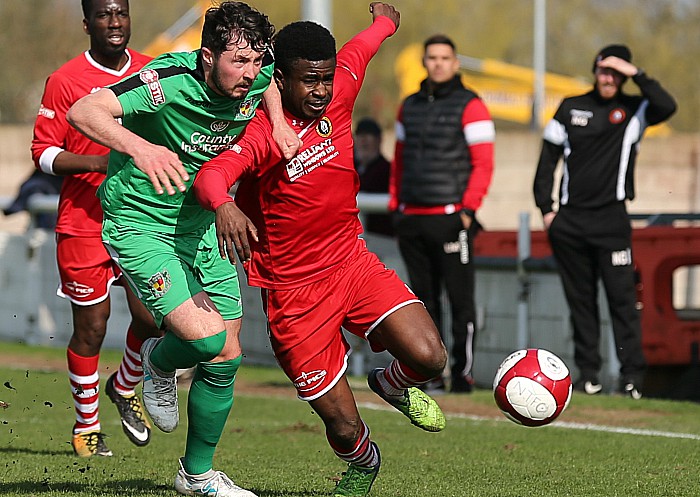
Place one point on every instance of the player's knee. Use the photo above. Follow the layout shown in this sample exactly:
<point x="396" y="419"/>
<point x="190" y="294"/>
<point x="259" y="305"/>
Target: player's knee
<point x="345" y="431"/>
<point x="208" y="348"/>
<point x="431" y="359"/>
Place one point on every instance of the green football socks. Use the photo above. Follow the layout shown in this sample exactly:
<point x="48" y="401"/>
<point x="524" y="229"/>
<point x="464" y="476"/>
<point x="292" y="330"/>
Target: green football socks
<point x="209" y="403"/>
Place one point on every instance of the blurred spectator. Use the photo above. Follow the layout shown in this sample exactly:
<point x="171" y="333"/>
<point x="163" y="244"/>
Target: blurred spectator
<point x="441" y="172"/>
<point x="37" y="183"/>
<point x="597" y="135"/>
<point x="373" y="170"/>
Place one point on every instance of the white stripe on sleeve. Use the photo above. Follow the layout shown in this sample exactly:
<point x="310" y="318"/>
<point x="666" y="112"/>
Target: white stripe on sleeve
<point x="479" y="132"/>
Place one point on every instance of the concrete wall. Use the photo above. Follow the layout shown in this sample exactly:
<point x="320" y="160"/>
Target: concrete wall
<point x="667" y="175"/>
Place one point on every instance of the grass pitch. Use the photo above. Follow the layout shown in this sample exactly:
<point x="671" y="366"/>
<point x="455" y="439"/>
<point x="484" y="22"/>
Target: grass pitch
<point x="275" y="445"/>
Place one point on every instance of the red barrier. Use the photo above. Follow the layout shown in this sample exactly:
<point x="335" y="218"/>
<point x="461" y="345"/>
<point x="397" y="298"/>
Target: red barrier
<point x="670" y="337"/>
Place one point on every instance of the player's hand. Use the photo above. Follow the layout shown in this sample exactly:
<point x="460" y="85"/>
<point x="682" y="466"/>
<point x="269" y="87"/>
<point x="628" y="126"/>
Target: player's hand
<point x="163" y="167"/>
<point x="548" y="218"/>
<point x="466" y="220"/>
<point x="620" y="65"/>
<point x="286" y="139"/>
<point x="232" y="228"/>
<point x="384" y="9"/>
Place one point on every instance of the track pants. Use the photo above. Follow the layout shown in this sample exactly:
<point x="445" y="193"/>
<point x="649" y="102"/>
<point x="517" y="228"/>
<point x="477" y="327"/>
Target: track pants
<point x="590" y="245"/>
<point x="437" y="250"/>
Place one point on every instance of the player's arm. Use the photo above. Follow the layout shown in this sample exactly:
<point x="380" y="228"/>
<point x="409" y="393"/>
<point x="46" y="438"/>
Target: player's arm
<point x="355" y="55"/>
<point x="215" y="178"/>
<point x="94" y="115"/>
<point x="211" y="186"/>
<point x="50" y="135"/>
<point x="479" y="136"/>
<point x="661" y="103"/>
<point x="285" y="137"/>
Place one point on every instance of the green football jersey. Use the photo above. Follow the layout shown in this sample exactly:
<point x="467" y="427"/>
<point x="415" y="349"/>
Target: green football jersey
<point x="168" y="103"/>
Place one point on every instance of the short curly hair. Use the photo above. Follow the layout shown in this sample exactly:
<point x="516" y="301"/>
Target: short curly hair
<point x="302" y="40"/>
<point x="88" y="6"/>
<point x="232" y="22"/>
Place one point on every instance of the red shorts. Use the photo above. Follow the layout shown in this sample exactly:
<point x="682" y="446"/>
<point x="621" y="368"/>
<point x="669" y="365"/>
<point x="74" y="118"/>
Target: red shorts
<point x="305" y="323"/>
<point x="85" y="268"/>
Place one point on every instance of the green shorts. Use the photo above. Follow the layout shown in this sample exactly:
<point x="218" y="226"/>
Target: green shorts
<point x="165" y="269"/>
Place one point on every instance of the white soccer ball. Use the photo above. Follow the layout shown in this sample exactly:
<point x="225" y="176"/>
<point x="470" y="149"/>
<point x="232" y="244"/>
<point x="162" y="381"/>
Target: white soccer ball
<point x="532" y="387"/>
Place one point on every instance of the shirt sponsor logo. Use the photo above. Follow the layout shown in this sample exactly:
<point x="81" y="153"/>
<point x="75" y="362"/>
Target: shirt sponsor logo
<point x="78" y="289"/>
<point x="219" y="126"/>
<point x="150" y="78"/>
<point x="309" y="381"/>
<point x="208" y="144"/>
<point x="310" y="158"/>
<point x="324" y="128"/>
<point x="580" y="117"/>
<point x="159" y="283"/>
<point x="46" y="112"/>
<point x="246" y="109"/>
<point x="616" y="116"/>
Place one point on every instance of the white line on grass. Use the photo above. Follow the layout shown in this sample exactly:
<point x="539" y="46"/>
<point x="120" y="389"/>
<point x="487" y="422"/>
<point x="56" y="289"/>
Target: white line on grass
<point x="559" y="424"/>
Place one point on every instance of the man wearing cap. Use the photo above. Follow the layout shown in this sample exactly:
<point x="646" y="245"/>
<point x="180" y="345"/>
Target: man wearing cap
<point x="597" y="135"/>
<point x="373" y="170"/>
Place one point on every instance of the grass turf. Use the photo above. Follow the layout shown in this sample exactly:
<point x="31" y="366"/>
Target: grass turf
<point x="275" y="446"/>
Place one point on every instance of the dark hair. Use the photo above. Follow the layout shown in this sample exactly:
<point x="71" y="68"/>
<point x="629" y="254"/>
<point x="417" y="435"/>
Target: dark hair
<point x="439" y="40"/>
<point x="87" y="8"/>
<point x="232" y="22"/>
<point x="88" y="5"/>
<point x="303" y="40"/>
<point x="368" y="126"/>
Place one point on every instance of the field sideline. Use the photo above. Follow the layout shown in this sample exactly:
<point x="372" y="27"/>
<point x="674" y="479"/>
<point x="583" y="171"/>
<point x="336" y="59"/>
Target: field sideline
<point x="274" y="444"/>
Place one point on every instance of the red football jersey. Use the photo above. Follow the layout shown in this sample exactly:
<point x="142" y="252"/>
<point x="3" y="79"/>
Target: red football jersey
<point x="305" y="209"/>
<point x="79" y="211"/>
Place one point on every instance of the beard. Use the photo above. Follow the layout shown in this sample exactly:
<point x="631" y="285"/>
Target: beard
<point x="234" y="92"/>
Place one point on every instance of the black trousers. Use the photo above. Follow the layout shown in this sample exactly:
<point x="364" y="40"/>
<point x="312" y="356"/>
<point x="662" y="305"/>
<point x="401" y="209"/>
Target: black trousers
<point x="590" y="245"/>
<point x="437" y="251"/>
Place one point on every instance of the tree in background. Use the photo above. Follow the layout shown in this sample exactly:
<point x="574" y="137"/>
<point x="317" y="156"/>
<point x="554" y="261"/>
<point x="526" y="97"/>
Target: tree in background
<point x="34" y="41"/>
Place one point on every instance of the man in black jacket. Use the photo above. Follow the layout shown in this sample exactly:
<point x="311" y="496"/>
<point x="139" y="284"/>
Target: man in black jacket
<point x="597" y="135"/>
<point x="441" y="172"/>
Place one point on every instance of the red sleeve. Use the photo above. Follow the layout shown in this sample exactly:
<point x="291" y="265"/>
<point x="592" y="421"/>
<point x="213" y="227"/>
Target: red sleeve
<point x="51" y="127"/>
<point x="479" y="134"/>
<point x="397" y="164"/>
<point x="252" y="151"/>
<point x="355" y="55"/>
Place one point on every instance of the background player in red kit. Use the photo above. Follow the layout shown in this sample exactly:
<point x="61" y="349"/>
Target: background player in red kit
<point x="85" y="268"/>
<point x="316" y="273"/>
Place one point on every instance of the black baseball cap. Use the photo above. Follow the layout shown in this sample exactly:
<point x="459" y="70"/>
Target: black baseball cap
<point x="368" y="126"/>
<point x="620" y="51"/>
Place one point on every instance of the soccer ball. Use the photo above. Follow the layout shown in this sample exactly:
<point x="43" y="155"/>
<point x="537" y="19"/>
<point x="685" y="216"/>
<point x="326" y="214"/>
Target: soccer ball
<point x="532" y="387"/>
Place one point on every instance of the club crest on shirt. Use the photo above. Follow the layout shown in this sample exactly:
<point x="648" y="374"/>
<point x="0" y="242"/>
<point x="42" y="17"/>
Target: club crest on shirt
<point x="150" y="78"/>
<point x="324" y="128"/>
<point x="616" y="116"/>
<point x="246" y="109"/>
<point x="159" y="283"/>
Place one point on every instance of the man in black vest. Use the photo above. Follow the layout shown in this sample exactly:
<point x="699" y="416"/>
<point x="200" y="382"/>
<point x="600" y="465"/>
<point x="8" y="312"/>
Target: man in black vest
<point x="441" y="172"/>
<point x="597" y="134"/>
